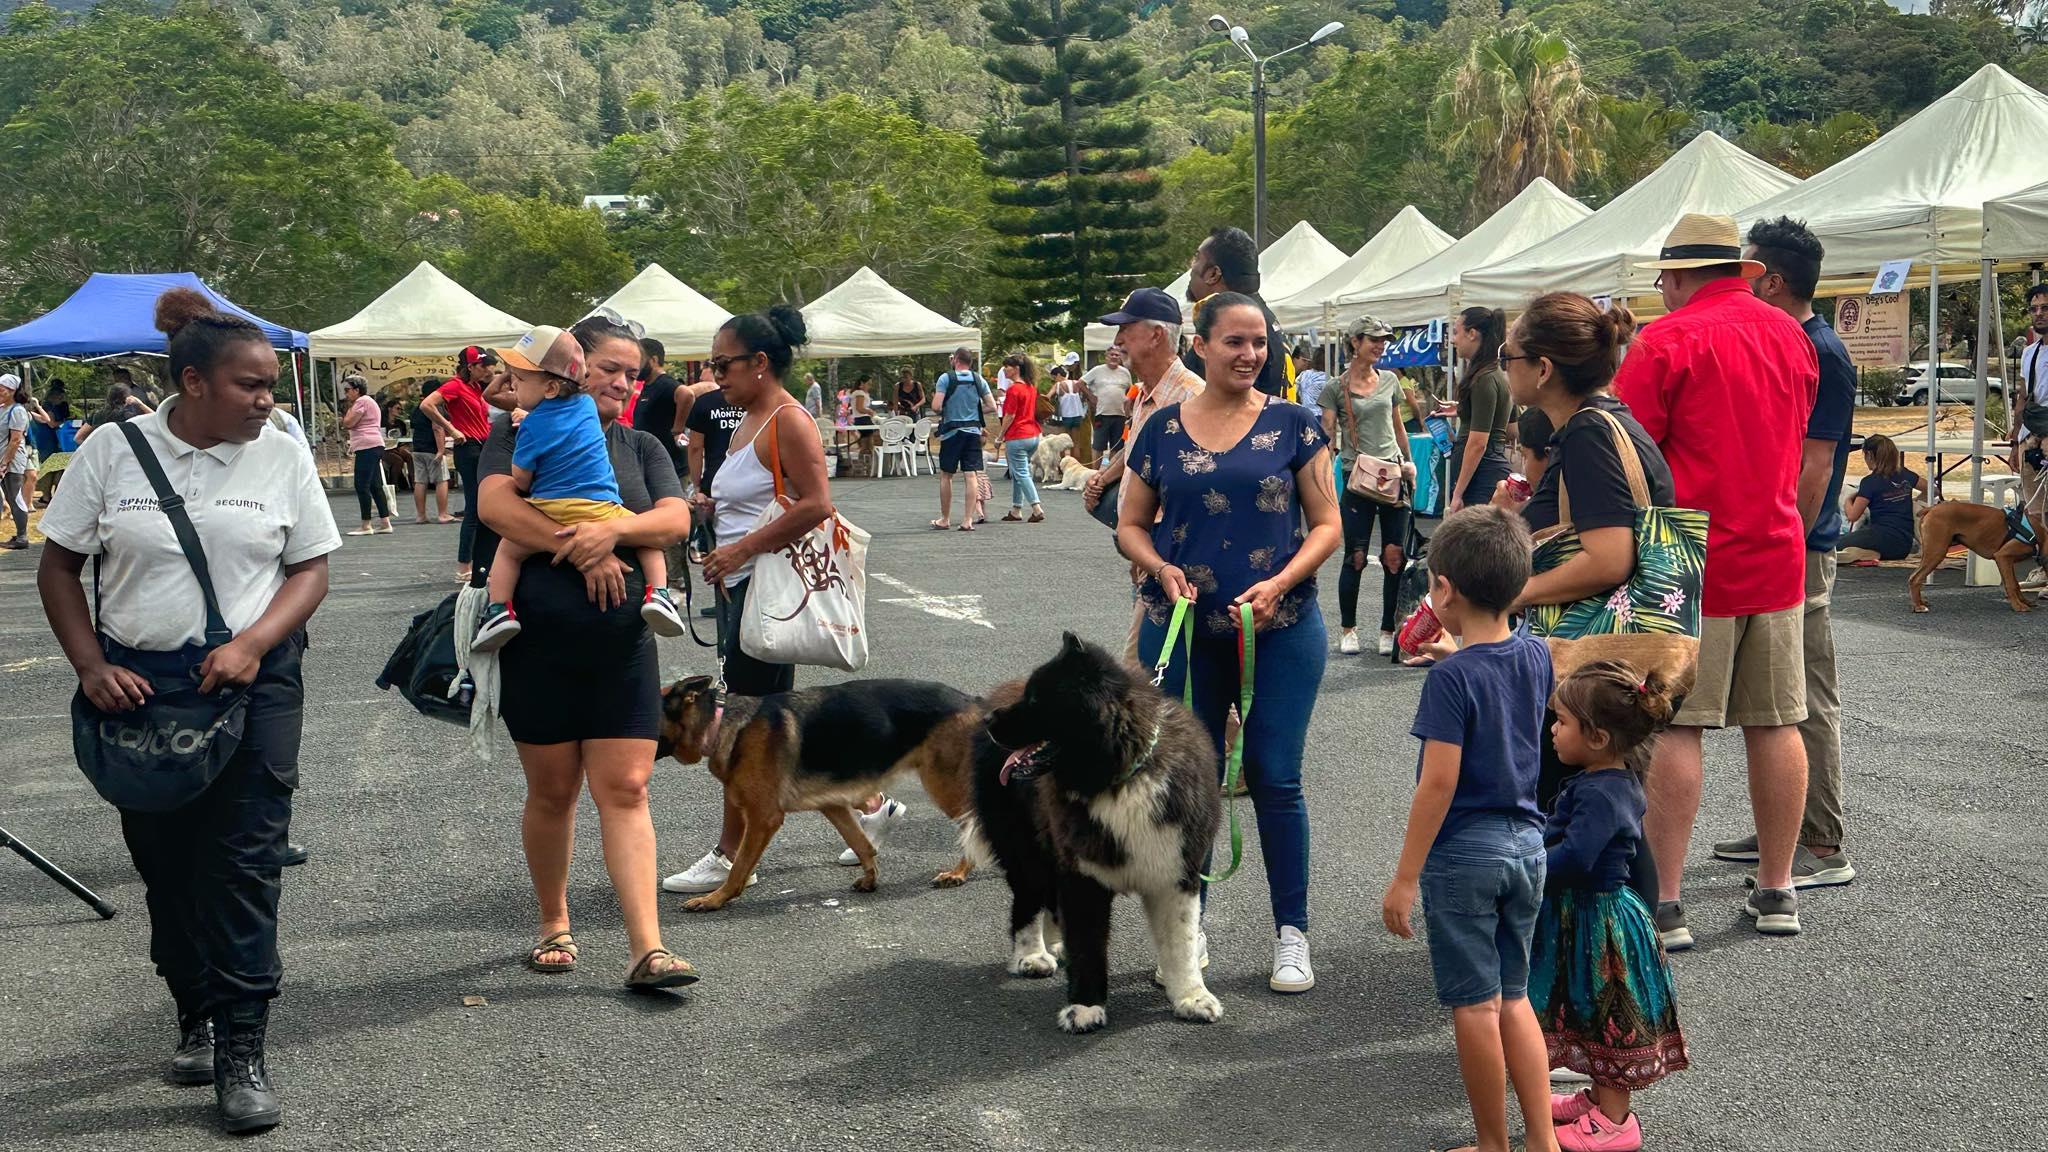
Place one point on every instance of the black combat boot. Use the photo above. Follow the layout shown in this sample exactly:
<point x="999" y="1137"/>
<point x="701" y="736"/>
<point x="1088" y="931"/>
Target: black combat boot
<point x="241" y="1083"/>
<point x="193" y="1061"/>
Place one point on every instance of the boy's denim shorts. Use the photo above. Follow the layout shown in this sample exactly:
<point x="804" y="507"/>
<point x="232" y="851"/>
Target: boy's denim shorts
<point x="1481" y="889"/>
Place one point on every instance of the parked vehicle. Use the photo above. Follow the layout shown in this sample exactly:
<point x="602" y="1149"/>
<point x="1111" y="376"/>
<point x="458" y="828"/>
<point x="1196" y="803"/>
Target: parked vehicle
<point x="1958" y="385"/>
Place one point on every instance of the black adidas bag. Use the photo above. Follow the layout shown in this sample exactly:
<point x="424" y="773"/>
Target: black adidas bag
<point x="423" y="666"/>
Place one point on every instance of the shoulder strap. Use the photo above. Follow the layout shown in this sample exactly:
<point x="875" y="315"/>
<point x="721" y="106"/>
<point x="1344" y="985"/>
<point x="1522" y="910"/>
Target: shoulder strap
<point x="1631" y="467"/>
<point x="173" y="506"/>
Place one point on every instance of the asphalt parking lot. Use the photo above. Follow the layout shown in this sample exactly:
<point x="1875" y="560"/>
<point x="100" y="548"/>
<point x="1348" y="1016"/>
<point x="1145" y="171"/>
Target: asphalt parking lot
<point x="1907" y="1017"/>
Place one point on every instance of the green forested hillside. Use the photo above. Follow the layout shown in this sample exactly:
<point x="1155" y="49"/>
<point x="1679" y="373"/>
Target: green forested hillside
<point x="302" y="154"/>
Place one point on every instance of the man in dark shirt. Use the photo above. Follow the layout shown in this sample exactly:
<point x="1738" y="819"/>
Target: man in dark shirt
<point x="1791" y="256"/>
<point x="121" y="405"/>
<point x="1228" y="261"/>
<point x="656" y="412"/>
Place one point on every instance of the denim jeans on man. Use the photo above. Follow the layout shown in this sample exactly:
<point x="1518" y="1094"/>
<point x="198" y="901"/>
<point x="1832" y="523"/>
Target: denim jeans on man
<point x="1481" y="889"/>
<point x="1285" y="678"/>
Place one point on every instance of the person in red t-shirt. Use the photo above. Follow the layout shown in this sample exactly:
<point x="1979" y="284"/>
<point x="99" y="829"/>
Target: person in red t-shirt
<point x="458" y="409"/>
<point x="1020" y="436"/>
<point x="1724" y="385"/>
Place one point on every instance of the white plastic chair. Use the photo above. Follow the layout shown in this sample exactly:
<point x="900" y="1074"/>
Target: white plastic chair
<point x="895" y="446"/>
<point x="921" y="445"/>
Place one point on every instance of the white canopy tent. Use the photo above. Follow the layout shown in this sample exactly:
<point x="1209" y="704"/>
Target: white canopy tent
<point x="425" y="314"/>
<point x="1599" y="254"/>
<point x="1430" y="290"/>
<point x="1919" y="193"/>
<point x="1295" y="260"/>
<point x="1406" y="240"/>
<point x="866" y="316"/>
<point x="679" y="316"/>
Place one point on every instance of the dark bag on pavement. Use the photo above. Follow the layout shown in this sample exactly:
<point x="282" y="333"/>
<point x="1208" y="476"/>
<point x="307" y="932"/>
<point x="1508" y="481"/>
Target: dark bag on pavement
<point x="162" y="755"/>
<point x="423" y="669"/>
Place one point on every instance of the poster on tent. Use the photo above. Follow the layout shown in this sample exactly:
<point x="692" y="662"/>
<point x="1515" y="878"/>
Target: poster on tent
<point x="1418" y="347"/>
<point x="1873" y="329"/>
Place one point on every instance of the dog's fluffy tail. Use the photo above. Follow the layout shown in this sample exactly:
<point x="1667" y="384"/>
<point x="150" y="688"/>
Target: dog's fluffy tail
<point x="973" y="844"/>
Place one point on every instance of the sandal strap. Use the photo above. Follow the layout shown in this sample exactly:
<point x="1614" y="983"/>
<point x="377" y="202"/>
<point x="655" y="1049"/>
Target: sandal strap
<point x="557" y="942"/>
<point x="646" y="965"/>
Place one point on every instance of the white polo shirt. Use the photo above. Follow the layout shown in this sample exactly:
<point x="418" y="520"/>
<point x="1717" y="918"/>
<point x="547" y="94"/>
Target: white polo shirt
<point x="257" y="508"/>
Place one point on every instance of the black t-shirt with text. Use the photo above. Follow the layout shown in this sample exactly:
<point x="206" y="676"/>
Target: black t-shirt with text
<point x="711" y="424"/>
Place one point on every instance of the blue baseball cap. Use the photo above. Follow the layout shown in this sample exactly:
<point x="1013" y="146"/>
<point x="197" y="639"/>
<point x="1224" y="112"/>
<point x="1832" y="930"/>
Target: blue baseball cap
<point x="1146" y="304"/>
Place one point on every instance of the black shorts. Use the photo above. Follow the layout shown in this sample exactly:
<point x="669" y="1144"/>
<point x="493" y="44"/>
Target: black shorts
<point x="1109" y="431"/>
<point x="962" y="452"/>
<point x="574" y="673"/>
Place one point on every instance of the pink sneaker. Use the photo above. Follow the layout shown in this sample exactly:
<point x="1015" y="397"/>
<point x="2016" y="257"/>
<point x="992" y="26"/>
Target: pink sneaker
<point x="1594" y="1132"/>
<point x="1565" y="1109"/>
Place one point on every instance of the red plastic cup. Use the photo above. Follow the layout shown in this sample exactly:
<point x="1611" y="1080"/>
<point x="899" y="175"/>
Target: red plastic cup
<point x="1421" y="627"/>
<point x="1518" y="487"/>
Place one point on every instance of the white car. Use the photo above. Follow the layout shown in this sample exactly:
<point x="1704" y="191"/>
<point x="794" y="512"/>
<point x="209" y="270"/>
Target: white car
<point x="1958" y="385"/>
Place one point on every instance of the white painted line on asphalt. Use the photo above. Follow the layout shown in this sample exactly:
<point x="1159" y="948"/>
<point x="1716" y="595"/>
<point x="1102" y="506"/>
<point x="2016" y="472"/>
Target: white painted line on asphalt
<point x="966" y="609"/>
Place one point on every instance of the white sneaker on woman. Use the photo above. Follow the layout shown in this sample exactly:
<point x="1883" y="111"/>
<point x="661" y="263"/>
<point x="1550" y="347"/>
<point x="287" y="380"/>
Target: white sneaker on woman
<point x="1291" y="971"/>
<point x="1348" y="645"/>
<point x="708" y="874"/>
<point x="1386" y="643"/>
<point x="876" y="824"/>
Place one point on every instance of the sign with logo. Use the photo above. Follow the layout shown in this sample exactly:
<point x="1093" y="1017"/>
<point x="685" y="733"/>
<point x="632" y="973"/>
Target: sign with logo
<point x="1418" y="347"/>
<point x="1891" y="277"/>
<point x="1873" y="329"/>
<point x="379" y="372"/>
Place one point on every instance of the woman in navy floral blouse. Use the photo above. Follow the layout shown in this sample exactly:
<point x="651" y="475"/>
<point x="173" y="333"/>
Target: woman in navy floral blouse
<point x="1231" y="501"/>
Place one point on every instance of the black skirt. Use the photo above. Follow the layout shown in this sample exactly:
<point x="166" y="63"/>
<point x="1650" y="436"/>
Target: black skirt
<point x="574" y="673"/>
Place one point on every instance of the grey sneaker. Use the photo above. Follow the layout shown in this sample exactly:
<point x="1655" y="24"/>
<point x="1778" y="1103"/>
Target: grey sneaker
<point x="1671" y="927"/>
<point x="1811" y="871"/>
<point x="1742" y="851"/>
<point x="1775" y="910"/>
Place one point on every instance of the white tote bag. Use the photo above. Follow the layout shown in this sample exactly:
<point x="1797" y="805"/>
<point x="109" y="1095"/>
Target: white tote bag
<point x="807" y="602"/>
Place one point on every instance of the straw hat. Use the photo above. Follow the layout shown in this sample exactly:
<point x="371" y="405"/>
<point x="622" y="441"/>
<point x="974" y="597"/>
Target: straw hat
<point x="1702" y="241"/>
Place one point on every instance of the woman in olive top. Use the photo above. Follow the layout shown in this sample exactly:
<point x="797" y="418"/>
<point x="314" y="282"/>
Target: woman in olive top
<point x="1359" y="412"/>
<point x="1483" y="407"/>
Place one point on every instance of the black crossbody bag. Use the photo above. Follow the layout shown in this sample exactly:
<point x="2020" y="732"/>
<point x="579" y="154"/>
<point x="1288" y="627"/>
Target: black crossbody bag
<point x="162" y="755"/>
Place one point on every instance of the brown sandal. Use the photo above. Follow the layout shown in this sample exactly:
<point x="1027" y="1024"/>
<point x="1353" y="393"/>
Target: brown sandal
<point x="1036" y="518"/>
<point x="660" y="969"/>
<point x="557" y="942"/>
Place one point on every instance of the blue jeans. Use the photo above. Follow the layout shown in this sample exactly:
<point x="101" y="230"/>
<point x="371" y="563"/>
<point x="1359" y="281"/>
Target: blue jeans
<point x="1286" y="676"/>
<point x="1481" y="889"/>
<point x="1017" y="453"/>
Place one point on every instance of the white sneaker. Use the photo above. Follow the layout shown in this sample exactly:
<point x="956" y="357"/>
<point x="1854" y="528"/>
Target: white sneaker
<point x="1201" y="957"/>
<point x="876" y="824"/>
<point x="1349" y="644"/>
<point x="1386" y="643"/>
<point x="706" y="875"/>
<point x="2036" y="582"/>
<point x="1291" y="972"/>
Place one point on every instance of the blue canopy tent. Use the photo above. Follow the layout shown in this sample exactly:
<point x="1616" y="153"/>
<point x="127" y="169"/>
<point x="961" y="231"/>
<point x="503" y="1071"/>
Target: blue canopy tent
<point x="115" y="313"/>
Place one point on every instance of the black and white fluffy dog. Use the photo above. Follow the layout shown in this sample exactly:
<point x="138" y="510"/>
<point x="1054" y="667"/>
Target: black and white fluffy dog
<point x="1090" y="783"/>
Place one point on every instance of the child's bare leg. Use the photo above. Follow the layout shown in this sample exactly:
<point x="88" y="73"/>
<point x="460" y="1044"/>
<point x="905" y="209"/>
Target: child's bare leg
<point x="504" y="576"/>
<point x="654" y="566"/>
<point x="1528" y="1064"/>
<point x="1613" y="1102"/>
<point x="1483" y="1067"/>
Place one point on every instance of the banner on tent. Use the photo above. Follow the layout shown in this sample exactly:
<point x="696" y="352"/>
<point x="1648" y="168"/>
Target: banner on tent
<point x="1418" y="347"/>
<point x="379" y="372"/>
<point x="1873" y="329"/>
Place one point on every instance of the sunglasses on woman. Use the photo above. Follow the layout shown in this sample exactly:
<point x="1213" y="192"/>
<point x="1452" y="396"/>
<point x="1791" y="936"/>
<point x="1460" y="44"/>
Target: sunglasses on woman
<point x="1501" y="356"/>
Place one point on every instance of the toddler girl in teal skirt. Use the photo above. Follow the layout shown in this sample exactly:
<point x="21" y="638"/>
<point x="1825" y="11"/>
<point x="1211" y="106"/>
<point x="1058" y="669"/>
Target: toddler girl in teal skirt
<point x="1598" y="978"/>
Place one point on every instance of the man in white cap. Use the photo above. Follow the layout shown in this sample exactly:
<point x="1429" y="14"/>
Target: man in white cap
<point x="1724" y="385"/>
<point x="14" y="458"/>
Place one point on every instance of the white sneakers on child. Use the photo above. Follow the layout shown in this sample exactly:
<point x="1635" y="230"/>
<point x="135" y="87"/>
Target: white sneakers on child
<point x="661" y="613"/>
<point x="877" y="825"/>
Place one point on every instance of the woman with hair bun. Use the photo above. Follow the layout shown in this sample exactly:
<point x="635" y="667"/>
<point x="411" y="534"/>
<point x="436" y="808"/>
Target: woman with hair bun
<point x="210" y="865"/>
<point x="1483" y="407"/>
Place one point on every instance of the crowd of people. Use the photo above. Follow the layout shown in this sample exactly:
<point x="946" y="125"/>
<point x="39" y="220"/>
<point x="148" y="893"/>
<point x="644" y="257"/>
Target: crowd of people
<point x="1552" y="815"/>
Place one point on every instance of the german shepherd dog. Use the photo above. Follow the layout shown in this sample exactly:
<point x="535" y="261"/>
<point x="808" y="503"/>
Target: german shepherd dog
<point x="822" y="749"/>
<point x="1090" y="782"/>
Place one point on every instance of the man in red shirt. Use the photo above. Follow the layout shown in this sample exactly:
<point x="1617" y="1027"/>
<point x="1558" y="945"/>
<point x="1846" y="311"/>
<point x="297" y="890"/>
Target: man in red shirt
<point x="1724" y="384"/>
<point x="458" y="408"/>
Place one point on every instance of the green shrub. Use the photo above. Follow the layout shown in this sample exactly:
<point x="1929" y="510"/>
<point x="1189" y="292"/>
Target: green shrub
<point x="1878" y="386"/>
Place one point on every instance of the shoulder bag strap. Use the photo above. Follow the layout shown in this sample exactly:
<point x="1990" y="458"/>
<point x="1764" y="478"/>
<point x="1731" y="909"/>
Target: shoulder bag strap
<point x="173" y="506"/>
<point x="1631" y="467"/>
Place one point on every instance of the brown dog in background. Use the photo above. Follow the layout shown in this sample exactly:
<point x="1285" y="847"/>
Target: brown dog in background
<point x="1982" y="529"/>
<point x="823" y="749"/>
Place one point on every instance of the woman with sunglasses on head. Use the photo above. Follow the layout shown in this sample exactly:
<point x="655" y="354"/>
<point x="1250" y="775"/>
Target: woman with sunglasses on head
<point x="1361" y="413"/>
<point x="580" y="691"/>
<point x="1480" y="459"/>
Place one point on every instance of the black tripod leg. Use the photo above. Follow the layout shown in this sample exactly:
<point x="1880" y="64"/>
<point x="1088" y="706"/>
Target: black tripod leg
<point x="34" y="857"/>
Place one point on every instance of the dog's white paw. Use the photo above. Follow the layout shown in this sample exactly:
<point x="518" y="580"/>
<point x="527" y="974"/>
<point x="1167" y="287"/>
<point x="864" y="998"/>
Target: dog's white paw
<point x="1200" y="1007"/>
<point x="1036" y="966"/>
<point x="1079" y="1018"/>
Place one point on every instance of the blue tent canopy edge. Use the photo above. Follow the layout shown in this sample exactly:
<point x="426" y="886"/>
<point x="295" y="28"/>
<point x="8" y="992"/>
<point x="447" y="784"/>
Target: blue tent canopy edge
<point x="113" y="313"/>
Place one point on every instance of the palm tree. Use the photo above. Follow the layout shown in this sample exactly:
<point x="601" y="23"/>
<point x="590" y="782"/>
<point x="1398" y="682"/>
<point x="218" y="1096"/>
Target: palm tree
<point x="1637" y="138"/>
<point x="1519" y="108"/>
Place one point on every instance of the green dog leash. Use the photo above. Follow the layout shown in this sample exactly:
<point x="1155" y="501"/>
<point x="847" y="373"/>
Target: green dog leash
<point x="1233" y="764"/>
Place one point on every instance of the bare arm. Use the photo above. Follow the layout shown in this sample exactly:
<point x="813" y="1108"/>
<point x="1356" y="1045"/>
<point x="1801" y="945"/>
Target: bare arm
<point x="502" y="393"/>
<point x="1134" y="539"/>
<point x="803" y="470"/>
<point x="110" y="688"/>
<point x="433" y="407"/>
<point x="1857" y="507"/>
<point x="1605" y="559"/>
<point x="1816" y="468"/>
<point x="1441" y="763"/>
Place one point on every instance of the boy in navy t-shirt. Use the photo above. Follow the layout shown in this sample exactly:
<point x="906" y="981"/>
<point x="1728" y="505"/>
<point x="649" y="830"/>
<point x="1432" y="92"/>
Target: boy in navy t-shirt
<point x="1474" y="849"/>
<point x="561" y="462"/>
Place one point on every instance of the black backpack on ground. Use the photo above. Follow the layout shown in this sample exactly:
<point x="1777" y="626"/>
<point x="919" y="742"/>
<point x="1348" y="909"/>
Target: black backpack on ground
<point x="423" y="666"/>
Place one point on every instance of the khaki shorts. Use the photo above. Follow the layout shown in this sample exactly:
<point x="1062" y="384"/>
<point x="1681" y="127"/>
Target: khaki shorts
<point x="1752" y="672"/>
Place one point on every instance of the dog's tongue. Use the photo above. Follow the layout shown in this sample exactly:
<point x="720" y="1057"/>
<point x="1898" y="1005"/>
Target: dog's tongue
<point x="1019" y="757"/>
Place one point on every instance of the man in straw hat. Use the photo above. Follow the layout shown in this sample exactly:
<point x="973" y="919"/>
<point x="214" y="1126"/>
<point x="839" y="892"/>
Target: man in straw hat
<point x="1724" y="384"/>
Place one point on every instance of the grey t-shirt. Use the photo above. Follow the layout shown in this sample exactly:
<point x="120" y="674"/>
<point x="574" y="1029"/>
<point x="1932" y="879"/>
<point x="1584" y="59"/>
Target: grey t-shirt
<point x="1109" y="385"/>
<point x="1371" y="416"/>
<point x="644" y="470"/>
<point x="14" y="418"/>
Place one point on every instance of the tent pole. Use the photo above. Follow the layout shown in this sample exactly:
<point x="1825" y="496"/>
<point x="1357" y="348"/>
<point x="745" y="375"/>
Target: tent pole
<point x="1990" y="326"/>
<point x="298" y="393"/>
<point x="1933" y="376"/>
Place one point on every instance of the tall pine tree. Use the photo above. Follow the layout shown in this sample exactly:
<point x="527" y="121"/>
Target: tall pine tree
<point x="1075" y="188"/>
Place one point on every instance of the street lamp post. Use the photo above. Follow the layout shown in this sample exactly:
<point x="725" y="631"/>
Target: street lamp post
<point x="1242" y="39"/>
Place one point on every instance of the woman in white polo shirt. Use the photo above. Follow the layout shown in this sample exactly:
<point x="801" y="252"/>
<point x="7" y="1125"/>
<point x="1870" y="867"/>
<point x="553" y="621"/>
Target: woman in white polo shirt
<point x="211" y="867"/>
